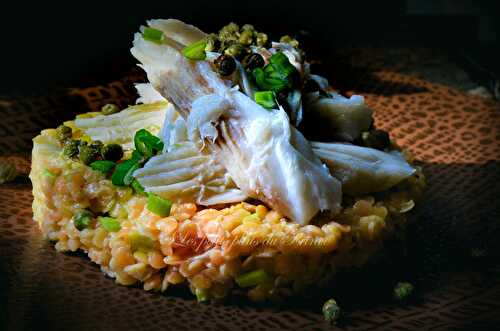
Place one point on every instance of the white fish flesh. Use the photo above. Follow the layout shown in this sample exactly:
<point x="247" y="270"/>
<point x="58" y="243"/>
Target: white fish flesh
<point x="345" y="117"/>
<point x="363" y="170"/>
<point x="184" y="172"/>
<point x="266" y="157"/>
<point x="121" y="127"/>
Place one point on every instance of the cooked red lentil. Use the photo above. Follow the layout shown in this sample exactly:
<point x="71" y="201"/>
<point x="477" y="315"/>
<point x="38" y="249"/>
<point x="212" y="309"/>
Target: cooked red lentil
<point x="210" y="249"/>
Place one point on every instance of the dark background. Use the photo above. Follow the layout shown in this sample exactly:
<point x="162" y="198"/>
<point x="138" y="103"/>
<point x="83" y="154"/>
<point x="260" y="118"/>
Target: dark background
<point x="79" y="43"/>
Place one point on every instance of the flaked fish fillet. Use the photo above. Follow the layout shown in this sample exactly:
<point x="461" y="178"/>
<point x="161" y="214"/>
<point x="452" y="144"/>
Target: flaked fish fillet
<point x="121" y="127"/>
<point x="363" y="170"/>
<point x="184" y="171"/>
<point x="266" y="157"/>
<point x="345" y="117"/>
<point x="186" y="174"/>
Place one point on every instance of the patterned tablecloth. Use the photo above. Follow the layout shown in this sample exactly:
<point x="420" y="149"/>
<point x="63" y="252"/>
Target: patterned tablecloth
<point x="452" y="252"/>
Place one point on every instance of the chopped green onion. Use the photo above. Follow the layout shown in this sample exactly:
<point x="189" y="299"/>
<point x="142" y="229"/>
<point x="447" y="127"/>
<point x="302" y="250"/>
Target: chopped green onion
<point x="252" y="278"/>
<point x="122" y="176"/>
<point x="138" y="188"/>
<point x="270" y="82"/>
<point x="201" y="295"/>
<point x="82" y="220"/>
<point x="153" y="35"/>
<point x="129" y="176"/>
<point x="276" y="75"/>
<point x="139" y="242"/>
<point x="281" y="63"/>
<point x="136" y="156"/>
<point x="196" y="51"/>
<point x="110" y="224"/>
<point x="48" y="173"/>
<point x="146" y="143"/>
<point x="159" y="206"/>
<point x="265" y="99"/>
<point x="102" y="166"/>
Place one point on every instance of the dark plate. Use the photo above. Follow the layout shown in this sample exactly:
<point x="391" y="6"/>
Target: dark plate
<point x="452" y="249"/>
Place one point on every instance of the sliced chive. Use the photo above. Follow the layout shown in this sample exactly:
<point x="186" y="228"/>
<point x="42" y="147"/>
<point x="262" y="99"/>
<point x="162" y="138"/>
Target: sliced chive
<point x="48" y="173"/>
<point x="103" y="166"/>
<point x="281" y="63"/>
<point x="110" y="224"/>
<point x="276" y="75"/>
<point x="146" y="143"/>
<point x="122" y="176"/>
<point x="201" y="295"/>
<point x="252" y="278"/>
<point x="265" y="99"/>
<point x="138" y="188"/>
<point x="153" y="35"/>
<point x="196" y="51"/>
<point x="158" y="205"/>
<point x="139" y="242"/>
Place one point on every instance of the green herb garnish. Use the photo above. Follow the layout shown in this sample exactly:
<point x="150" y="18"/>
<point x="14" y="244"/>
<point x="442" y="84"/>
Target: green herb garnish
<point x="122" y="176"/>
<point x="146" y="143"/>
<point x="158" y="205"/>
<point x="48" y="173"/>
<point x="277" y="75"/>
<point x="138" y="188"/>
<point x="103" y="166"/>
<point x="139" y="242"/>
<point x="252" y="278"/>
<point x="153" y="35"/>
<point x="110" y="224"/>
<point x="196" y="51"/>
<point x="265" y="99"/>
<point x="201" y="295"/>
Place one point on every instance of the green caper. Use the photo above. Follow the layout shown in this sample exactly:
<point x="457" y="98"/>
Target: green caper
<point x="82" y="219"/>
<point x="378" y="139"/>
<point x="289" y="40"/>
<point x="253" y="61"/>
<point x="235" y="50"/>
<point x="63" y="133"/>
<point x="112" y="152"/>
<point x="225" y="65"/>
<point x="229" y="32"/>
<point x="246" y="37"/>
<point x="231" y="27"/>
<point x="213" y="43"/>
<point x="403" y="290"/>
<point x="8" y="172"/>
<point x="248" y="27"/>
<point x="331" y="311"/>
<point x="261" y="39"/>
<point x="109" y="109"/>
<point x="70" y="148"/>
<point x="96" y="144"/>
<point x="88" y="154"/>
